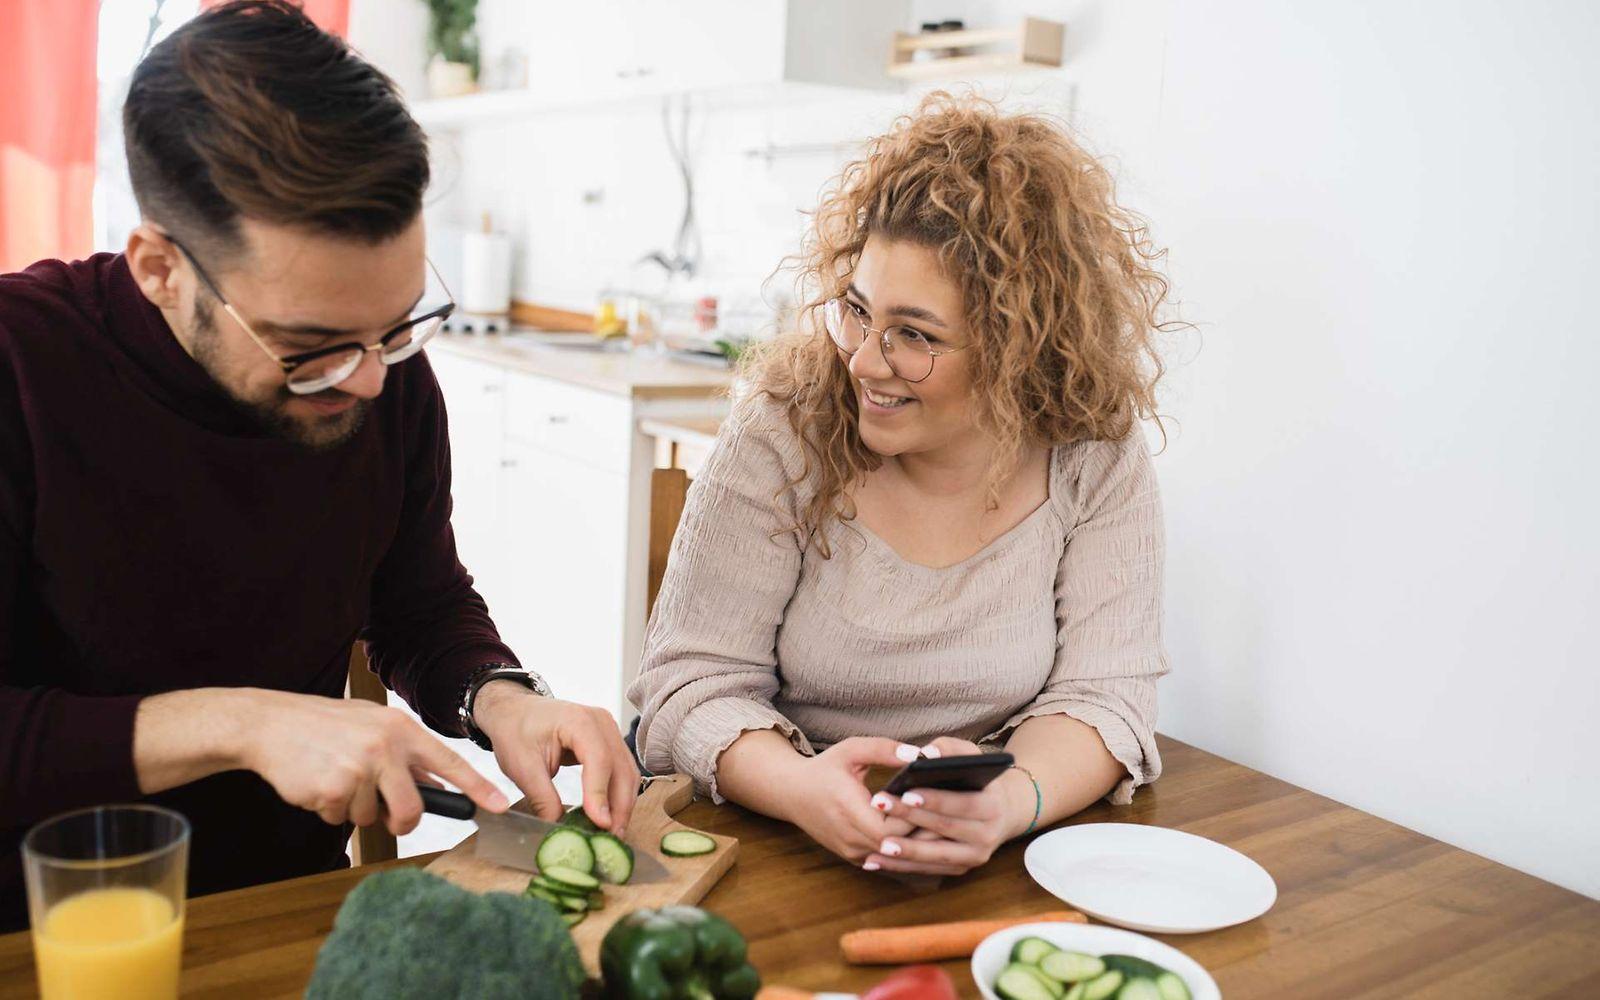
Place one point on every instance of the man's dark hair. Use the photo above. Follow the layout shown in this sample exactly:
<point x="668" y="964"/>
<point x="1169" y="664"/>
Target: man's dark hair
<point x="251" y="110"/>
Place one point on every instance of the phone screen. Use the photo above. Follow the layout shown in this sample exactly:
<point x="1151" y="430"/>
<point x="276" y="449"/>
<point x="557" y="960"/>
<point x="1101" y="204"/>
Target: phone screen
<point x="968" y="773"/>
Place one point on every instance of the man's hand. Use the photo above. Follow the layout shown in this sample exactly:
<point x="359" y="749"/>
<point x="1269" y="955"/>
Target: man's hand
<point x="335" y="757"/>
<point x="533" y="736"/>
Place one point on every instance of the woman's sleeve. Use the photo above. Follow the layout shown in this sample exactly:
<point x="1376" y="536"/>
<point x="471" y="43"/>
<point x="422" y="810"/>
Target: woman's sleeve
<point x="1108" y="611"/>
<point x="709" y="671"/>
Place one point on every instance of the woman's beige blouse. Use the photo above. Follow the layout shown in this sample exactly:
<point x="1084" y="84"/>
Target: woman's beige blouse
<point x="1062" y="614"/>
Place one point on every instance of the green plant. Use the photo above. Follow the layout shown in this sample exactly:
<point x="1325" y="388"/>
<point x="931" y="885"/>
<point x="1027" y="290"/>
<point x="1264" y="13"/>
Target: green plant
<point x="407" y="934"/>
<point x="452" y="31"/>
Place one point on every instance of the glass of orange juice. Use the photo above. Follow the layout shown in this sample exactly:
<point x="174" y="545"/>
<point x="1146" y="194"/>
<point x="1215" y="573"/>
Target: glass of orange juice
<point x="105" y="896"/>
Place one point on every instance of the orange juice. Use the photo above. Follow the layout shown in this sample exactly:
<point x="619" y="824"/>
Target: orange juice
<point x="110" y="943"/>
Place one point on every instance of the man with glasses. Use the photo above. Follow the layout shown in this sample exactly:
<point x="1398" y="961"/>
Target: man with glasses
<point x="223" y="460"/>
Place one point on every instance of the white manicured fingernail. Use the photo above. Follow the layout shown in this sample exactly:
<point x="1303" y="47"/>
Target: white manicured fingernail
<point x="911" y="799"/>
<point x="931" y="752"/>
<point x="906" y="752"/>
<point x="871" y="866"/>
<point x="882" y="802"/>
<point x="890" y="848"/>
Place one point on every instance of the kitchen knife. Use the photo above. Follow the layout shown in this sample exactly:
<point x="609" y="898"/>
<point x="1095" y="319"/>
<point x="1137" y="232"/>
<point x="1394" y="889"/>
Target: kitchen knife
<point x="512" y="838"/>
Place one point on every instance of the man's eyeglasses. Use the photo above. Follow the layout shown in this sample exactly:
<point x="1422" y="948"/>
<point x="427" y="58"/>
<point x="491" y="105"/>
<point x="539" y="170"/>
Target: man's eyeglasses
<point x="908" y="351"/>
<point x="315" y="371"/>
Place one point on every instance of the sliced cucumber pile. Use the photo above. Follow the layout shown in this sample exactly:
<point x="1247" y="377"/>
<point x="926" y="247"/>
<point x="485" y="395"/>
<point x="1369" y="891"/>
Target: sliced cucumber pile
<point x="1041" y="971"/>
<point x="577" y="857"/>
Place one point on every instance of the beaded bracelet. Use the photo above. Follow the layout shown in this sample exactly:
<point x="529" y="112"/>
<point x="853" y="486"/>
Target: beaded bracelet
<point x="1038" y="798"/>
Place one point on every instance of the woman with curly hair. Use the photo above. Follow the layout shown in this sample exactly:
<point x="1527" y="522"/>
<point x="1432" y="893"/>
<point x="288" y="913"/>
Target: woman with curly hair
<point x="931" y="525"/>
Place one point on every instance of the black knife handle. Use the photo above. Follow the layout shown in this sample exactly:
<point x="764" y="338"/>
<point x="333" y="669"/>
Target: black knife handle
<point x="443" y="803"/>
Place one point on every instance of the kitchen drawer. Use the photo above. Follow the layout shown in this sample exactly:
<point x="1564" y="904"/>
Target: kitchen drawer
<point x="594" y="427"/>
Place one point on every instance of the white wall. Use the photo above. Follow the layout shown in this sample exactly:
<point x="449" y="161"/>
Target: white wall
<point x="1385" y="563"/>
<point x="1382" y="579"/>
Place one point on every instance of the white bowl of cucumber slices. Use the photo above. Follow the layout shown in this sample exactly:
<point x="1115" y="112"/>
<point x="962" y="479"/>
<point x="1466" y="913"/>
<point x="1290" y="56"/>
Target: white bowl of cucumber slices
<point x="1061" y="961"/>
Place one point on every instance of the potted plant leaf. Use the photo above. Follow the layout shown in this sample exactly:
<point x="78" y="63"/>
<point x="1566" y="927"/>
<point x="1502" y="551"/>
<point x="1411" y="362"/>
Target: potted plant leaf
<point x="453" y="44"/>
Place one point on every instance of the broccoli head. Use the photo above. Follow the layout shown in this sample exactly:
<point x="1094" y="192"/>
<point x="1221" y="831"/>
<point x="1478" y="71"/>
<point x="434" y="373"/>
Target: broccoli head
<point x="405" y="933"/>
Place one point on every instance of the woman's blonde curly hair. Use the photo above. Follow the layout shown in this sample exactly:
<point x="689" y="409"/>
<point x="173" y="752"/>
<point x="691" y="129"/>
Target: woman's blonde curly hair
<point x="1058" y="281"/>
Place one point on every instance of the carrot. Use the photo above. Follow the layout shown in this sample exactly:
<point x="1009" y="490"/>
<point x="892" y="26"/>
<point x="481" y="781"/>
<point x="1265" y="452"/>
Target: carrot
<point x="782" y="993"/>
<point x="934" y="942"/>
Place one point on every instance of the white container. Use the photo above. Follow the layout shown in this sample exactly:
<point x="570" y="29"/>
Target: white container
<point x="995" y="953"/>
<point x="486" y="273"/>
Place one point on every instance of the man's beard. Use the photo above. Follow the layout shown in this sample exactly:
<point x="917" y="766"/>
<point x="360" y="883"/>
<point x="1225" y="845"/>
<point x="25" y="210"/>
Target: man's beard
<point x="271" y="415"/>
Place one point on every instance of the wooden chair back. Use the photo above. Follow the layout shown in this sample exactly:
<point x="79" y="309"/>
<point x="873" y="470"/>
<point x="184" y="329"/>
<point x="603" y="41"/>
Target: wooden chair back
<point x="668" y="490"/>
<point x="369" y="844"/>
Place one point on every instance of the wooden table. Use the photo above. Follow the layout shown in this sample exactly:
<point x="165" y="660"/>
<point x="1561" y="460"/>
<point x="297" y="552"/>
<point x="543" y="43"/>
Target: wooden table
<point x="1365" y="908"/>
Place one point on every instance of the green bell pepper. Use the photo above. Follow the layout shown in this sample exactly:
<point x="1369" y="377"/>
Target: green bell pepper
<point x="676" y="953"/>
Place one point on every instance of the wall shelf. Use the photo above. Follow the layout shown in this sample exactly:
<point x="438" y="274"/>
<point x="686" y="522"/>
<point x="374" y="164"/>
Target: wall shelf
<point x="1033" y="44"/>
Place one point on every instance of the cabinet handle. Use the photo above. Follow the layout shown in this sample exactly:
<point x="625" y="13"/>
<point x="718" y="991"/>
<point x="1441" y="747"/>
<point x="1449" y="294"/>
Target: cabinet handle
<point x="491" y="387"/>
<point x="508" y="463"/>
<point x="559" y="418"/>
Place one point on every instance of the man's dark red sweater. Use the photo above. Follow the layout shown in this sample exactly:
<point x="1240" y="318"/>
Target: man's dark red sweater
<point x="151" y="539"/>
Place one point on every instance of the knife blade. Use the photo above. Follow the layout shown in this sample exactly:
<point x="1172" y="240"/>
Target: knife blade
<point x="512" y="838"/>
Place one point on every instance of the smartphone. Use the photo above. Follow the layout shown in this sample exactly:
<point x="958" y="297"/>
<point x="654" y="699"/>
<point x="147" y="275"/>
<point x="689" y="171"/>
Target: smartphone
<point x="967" y="773"/>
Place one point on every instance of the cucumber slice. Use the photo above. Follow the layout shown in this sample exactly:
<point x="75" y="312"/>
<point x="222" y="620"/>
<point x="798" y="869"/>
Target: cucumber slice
<point x="613" y="860"/>
<point x="597" y="901"/>
<point x="579" y="820"/>
<point x="1103" y="987"/>
<point x="546" y="895"/>
<point x="1021" y="982"/>
<point x="567" y="849"/>
<point x="573" y="919"/>
<point x="1057" y="988"/>
<point x="558" y="888"/>
<point x="580" y="904"/>
<point x="1072" y="966"/>
<point x="1172" y="987"/>
<point x="686" y="844"/>
<point x="1132" y="967"/>
<point x="1029" y="951"/>
<point x="1076" y="993"/>
<point x="1139" y="989"/>
<point x="573" y="879"/>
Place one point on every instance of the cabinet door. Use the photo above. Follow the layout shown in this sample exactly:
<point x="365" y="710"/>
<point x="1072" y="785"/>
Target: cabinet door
<point x="566" y="533"/>
<point x="474" y="399"/>
<point x="700" y="44"/>
<point x="584" y="50"/>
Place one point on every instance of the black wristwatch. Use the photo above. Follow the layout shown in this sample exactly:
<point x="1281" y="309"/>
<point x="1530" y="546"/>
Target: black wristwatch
<point x="494" y="672"/>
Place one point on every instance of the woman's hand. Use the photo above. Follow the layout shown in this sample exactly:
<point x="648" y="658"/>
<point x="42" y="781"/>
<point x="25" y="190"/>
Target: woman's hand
<point x="955" y="831"/>
<point x="830" y="802"/>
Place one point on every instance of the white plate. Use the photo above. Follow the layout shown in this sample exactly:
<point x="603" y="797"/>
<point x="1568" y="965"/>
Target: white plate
<point x="995" y="952"/>
<point x="1150" y="878"/>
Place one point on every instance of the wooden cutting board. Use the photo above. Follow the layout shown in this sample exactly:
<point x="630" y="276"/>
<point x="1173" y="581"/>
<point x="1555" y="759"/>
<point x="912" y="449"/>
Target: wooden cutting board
<point x="688" y="882"/>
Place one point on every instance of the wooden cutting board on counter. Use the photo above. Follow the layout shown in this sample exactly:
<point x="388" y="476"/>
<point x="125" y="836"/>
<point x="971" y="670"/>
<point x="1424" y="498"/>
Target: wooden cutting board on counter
<point x="689" y="879"/>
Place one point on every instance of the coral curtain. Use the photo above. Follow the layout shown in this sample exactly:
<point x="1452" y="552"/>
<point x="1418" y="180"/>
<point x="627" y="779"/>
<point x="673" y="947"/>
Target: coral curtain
<point x="47" y="126"/>
<point x="332" y="16"/>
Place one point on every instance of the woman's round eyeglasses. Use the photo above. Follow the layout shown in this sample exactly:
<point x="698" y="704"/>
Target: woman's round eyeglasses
<point x="908" y="351"/>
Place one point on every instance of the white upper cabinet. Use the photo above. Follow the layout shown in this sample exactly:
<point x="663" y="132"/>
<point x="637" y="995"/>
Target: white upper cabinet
<point x="610" y="50"/>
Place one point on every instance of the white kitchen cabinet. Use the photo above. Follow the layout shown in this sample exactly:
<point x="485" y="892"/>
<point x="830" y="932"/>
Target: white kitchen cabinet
<point x="551" y="491"/>
<point x="475" y="407"/>
<point x="616" y="50"/>
<point x="566" y="528"/>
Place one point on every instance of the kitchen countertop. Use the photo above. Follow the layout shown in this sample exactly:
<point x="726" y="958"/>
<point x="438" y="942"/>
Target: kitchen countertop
<point x="1365" y="909"/>
<point x="641" y="374"/>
